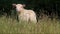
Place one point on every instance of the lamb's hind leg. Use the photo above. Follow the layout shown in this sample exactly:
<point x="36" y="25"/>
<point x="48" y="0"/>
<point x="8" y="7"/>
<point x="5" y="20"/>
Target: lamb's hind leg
<point x="33" y="19"/>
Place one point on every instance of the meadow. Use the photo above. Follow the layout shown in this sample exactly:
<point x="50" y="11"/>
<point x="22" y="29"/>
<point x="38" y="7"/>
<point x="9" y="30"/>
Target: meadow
<point x="44" y="26"/>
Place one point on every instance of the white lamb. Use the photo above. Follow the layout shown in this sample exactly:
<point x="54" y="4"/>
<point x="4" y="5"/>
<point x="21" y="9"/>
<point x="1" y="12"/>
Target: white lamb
<point x="24" y="14"/>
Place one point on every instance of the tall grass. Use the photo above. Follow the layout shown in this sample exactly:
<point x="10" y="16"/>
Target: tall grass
<point x="44" y="26"/>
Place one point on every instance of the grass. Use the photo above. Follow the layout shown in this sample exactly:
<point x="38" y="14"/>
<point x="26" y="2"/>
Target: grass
<point x="44" y="26"/>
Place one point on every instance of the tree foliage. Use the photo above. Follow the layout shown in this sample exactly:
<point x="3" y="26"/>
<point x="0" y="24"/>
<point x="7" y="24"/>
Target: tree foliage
<point x="30" y="4"/>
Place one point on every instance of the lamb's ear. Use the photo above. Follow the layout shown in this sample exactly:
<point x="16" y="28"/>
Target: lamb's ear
<point x="14" y="5"/>
<point x="24" y="5"/>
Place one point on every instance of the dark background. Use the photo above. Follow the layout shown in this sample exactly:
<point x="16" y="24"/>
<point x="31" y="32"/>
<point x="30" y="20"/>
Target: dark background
<point x="51" y="6"/>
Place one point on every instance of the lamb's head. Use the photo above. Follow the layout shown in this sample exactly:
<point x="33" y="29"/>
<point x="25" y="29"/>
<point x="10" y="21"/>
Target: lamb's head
<point x="19" y="7"/>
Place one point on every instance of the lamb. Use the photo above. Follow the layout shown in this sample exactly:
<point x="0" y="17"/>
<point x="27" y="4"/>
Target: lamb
<point x="24" y="14"/>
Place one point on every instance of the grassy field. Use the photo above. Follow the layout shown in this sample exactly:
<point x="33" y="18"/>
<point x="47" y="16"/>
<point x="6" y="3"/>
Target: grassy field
<point x="44" y="26"/>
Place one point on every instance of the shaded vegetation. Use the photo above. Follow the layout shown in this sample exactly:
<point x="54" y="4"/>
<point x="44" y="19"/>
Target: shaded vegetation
<point x="51" y="6"/>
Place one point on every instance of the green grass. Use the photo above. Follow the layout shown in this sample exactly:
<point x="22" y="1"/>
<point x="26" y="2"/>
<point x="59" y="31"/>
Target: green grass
<point x="44" y="26"/>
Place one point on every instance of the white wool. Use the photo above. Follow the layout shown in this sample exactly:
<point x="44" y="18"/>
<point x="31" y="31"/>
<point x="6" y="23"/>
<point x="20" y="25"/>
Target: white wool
<point x="26" y="15"/>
